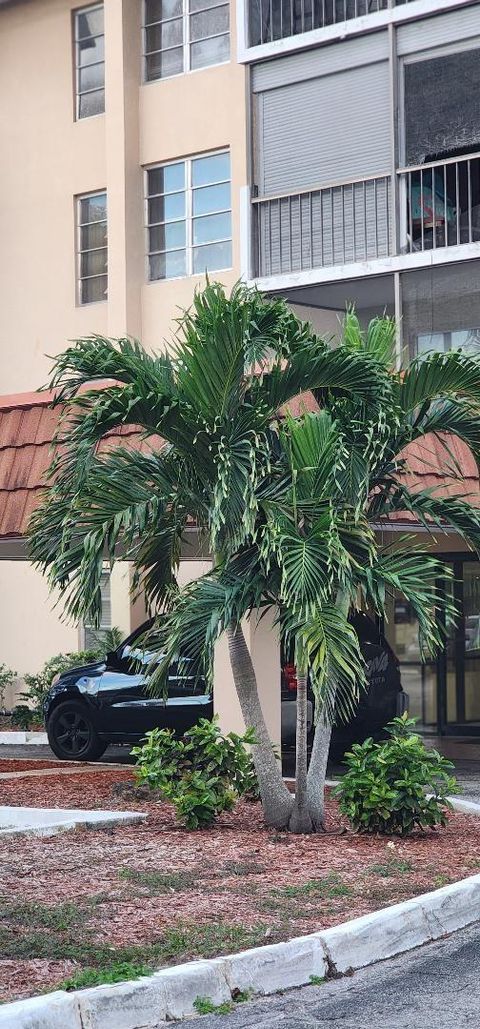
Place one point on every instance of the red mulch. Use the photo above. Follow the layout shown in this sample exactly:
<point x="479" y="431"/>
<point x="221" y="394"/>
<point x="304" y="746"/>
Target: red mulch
<point x="14" y="764"/>
<point x="236" y="865"/>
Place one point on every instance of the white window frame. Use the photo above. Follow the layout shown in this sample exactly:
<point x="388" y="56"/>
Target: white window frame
<point x="186" y="41"/>
<point x="189" y="219"/>
<point x="78" y="236"/>
<point x="89" y="9"/>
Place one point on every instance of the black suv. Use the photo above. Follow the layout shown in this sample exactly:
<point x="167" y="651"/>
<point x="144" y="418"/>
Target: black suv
<point x="89" y="707"/>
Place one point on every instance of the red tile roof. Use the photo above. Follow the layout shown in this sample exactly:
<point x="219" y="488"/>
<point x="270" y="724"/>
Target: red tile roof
<point x="28" y="423"/>
<point x="27" y="428"/>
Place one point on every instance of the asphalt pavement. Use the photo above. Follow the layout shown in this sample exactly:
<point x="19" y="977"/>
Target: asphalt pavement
<point x="434" y="987"/>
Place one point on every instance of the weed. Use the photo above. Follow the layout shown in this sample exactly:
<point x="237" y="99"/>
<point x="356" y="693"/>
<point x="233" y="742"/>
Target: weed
<point x="441" y="880"/>
<point x="205" y="1006"/>
<point x="160" y="882"/>
<point x="118" y="972"/>
<point x="390" y="868"/>
<point x="317" y="980"/>
<point x="330" y="886"/>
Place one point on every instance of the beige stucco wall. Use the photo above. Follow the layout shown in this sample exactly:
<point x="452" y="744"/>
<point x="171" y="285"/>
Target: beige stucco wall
<point x="31" y="627"/>
<point x="48" y="159"/>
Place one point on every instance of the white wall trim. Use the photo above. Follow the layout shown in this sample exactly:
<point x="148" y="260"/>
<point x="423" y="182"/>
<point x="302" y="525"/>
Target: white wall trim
<point x="342" y="30"/>
<point x="245" y="233"/>
<point x="363" y="269"/>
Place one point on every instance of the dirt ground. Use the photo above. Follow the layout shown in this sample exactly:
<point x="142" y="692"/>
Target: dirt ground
<point x="155" y="894"/>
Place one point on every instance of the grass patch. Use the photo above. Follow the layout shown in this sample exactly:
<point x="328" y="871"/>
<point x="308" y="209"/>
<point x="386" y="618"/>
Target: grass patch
<point x="58" y="917"/>
<point x="160" y="882"/>
<point x="70" y="938"/>
<point x="329" y="887"/>
<point x="390" y="868"/>
<point x="317" y="980"/>
<point x="242" y="868"/>
<point x="118" y="972"/>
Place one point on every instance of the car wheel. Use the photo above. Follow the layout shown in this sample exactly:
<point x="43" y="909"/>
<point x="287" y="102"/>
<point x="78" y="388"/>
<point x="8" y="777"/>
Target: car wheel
<point x="72" y="735"/>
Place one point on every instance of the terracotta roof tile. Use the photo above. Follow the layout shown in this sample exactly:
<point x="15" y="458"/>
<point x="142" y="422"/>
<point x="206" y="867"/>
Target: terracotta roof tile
<point x="27" y="428"/>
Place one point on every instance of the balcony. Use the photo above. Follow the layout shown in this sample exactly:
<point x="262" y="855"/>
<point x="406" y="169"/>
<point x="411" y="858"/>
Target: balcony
<point x="270" y="20"/>
<point x="349" y="222"/>
<point x="335" y="225"/>
<point x="440" y="203"/>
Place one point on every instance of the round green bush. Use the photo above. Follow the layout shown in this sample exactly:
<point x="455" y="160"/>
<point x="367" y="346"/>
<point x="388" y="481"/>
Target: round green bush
<point x="396" y="786"/>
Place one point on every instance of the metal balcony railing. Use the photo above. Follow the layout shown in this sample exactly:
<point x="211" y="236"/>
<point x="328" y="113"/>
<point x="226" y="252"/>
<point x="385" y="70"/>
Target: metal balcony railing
<point x="278" y="19"/>
<point x="440" y="204"/>
<point x="334" y="225"/>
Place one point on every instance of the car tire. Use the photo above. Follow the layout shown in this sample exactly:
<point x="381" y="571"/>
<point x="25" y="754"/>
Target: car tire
<point x="72" y="735"/>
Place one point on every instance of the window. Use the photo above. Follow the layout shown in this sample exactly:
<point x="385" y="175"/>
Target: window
<point x="90" y="635"/>
<point x="89" y="61"/>
<point x="183" y="35"/>
<point x="92" y="248"/>
<point x="467" y="340"/>
<point x="189" y="217"/>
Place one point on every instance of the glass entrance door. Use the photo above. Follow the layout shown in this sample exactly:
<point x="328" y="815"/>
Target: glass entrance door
<point x="463" y="716"/>
<point x="444" y="693"/>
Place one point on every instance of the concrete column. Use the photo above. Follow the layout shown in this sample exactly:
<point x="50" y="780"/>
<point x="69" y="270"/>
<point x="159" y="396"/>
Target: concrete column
<point x="124" y="174"/>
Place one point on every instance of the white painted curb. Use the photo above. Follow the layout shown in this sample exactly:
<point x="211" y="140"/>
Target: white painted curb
<point x="153" y="1001"/>
<point x="21" y="739"/>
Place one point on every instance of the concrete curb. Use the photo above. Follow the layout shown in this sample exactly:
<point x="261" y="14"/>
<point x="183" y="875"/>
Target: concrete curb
<point x="21" y="738"/>
<point x="169" y="995"/>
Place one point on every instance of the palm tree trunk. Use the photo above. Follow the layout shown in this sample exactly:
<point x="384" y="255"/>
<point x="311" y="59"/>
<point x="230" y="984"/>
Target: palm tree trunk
<point x="317" y="773"/>
<point x="276" y="799"/>
<point x="300" y="821"/>
<point x="317" y="769"/>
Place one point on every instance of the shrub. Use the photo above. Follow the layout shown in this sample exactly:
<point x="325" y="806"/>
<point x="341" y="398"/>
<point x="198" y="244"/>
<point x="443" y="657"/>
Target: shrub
<point x="7" y="676"/>
<point x="202" y="774"/>
<point x="23" y="717"/>
<point x="397" y="785"/>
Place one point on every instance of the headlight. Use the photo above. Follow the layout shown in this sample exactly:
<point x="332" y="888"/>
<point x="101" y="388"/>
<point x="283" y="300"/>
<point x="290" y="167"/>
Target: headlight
<point x="56" y="678"/>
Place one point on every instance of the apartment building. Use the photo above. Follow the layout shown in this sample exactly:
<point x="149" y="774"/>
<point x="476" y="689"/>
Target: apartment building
<point x="365" y="189"/>
<point x="327" y="150"/>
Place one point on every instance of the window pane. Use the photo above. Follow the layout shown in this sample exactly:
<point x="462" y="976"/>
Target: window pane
<point x="91" y="103"/>
<point x="165" y="209"/>
<point x="199" y="5"/>
<point x="210" y="169"/>
<point x="168" y="266"/>
<point x="157" y="10"/>
<point x="93" y="290"/>
<point x="93" y="208"/>
<point x="159" y="66"/>
<point x="93" y="262"/>
<point x="212" y="258"/>
<point x="210" y="51"/>
<point x="430" y="341"/>
<point x="167" y="34"/>
<point x="91" y="51"/>
<point x="92" y="236"/>
<point x="166" y="180"/>
<point x="467" y="340"/>
<point x="215" y="226"/>
<point x="209" y="23"/>
<point x="167" y="237"/>
<point x="91" y="77"/>
<point x="211" y="198"/>
<point x="89" y="23"/>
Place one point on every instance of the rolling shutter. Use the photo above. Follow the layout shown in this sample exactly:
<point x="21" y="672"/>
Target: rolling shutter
<point x="330" y="128"/>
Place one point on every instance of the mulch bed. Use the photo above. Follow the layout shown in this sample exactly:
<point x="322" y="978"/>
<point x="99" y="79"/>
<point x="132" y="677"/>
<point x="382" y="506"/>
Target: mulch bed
<point x="13" y="764"/>
<point x="130" y="886"/>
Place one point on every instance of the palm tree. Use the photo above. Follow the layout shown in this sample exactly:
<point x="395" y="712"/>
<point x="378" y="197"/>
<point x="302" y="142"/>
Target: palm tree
<point x="208" y="411"/>
<point x="315" y="553"/>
